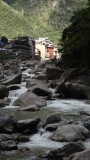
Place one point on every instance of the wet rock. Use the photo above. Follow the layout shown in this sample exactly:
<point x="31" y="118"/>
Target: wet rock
<point x="51" y="127"/>
<point x="84" y="113"/>
<point x="4" y="102"/>
<point x="15" y="137"/>
<point x="53" y="73"/>
<point x="73" y="90"/>
<point x="8" y="145"/>
<point x="68" y="74"/>
<point x="22" y="138"/>
<point x="13" y="79"/>
<point x="40" y="77"/>
<point x="87" y="125"/>
<point x="70" y="132"/>
<point x="13" y="87"/>
<point x="28" y="126"/>
<point x="42" y="64"/>
<point x="7" y="124"/>
<point x="53" y="118"/>
<point x="84" y="155"/>
<point x="87" y="102"/>
<point x="78" y="91"/>
<point x="31" y="108"/>
<point x="30" y="83"/>
<point x="4" y="92"/>
<point x="28" y="99"/>
<point x="23" y="68"/>
<point x="24" y="149"/>
<point x="66" y="150"/>
<point x="61" y="89"/>
<point x="41" y="90"/>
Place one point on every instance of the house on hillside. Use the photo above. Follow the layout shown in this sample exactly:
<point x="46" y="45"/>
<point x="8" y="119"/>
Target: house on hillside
<point x="46" y="48"/>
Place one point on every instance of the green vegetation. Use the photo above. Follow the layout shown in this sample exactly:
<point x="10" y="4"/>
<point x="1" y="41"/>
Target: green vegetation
<point x="45" y="18"/>
<point x="76" y="40"/>
<point x="12" y="23"/>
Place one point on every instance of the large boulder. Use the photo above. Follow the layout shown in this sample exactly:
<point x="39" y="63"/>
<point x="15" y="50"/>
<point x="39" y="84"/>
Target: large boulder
<point x="28" y="126"/>
<point x="73" y="90"/>
<point x="53" y="118"/>
<point x="13" y="79"/>
<point x="7" y="124"/>
<point x="4" y="91"/>
<point x="66" y="150"/>
<point x="32" y="82"/>
<point x="53" y="73"/>
<point x="28" y="99"/>
<point x="84" y="155"/>
<point x="68" y="74"/>
<point x="70" y="132"/>
<point x="78" y="91"/>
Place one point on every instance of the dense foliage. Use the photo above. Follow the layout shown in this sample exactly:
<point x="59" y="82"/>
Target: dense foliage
<point x="76" y="40"/>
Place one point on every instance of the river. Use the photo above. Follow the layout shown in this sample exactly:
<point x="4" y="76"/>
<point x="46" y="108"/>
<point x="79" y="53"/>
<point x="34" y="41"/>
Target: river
<point x="40" y="143"/>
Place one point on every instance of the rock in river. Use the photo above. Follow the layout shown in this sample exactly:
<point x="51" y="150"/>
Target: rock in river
<point x="4" y="91"/>
<point x="70" y="132"/>
<point x="28" y="126"/>
<point x="66" y="151"/>
<point x="28" y="99"/>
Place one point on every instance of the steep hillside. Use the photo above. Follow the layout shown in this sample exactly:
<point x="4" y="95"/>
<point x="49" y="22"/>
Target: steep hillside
<point x="47" y="17"/>
<point x="12" y="23"/>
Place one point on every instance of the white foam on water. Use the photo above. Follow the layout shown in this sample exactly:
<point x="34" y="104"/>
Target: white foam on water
<point x="28" y="73"/>
<point x="13" y="95"/>
<point x="68" y="105"/>
<point x="42" y="141"/>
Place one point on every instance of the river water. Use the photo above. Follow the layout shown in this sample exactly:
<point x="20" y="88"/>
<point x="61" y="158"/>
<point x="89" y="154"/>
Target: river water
<point x="40" y="143"/>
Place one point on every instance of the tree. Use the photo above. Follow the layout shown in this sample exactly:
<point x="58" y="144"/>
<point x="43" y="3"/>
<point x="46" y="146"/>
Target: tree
<point x="76" y="40"/>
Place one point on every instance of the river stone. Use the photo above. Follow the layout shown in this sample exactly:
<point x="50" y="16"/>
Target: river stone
<point x="13" y="79"/>
<point x="84" y="155"/>
<point x="8" y="145"/>
<point x="53" y="118"/>
<point x="61" y="89"/>
<point x="68" y="74"/>
<point x="28" y="99"/>
<point x="13" y="87"/>
<point x="7" y="124"/>
<point x="70" y="133"/>
<point x="15" y="137"/>
<point x="66" y="150"/>
<point x="84" y="113"/>
<point x="53" y="73"/>
<point x="31" y="108"/>
<point x="87" y="125"/>
<point x="4" y="92"/>
<point x="41" y="90"/>
<point x="28" y="126"/>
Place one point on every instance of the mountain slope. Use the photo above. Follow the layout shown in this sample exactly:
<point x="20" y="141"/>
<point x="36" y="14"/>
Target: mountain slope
<point x="47" y="17"/>
<point x="12" y="23"/>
